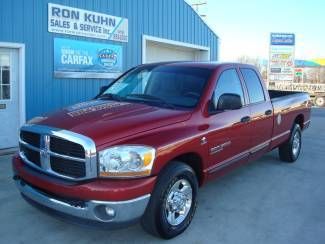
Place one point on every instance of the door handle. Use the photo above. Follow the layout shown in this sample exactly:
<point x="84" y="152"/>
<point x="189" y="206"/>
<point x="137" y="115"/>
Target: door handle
<point x="245" y="119"/>
<point x="268" y="112"/>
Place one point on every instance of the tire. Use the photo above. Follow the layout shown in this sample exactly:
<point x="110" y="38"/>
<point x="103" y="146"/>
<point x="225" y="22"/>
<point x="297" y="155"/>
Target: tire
<point x="320" y="101"/>
<point x="290" y="150"/>
<point x="176" y="178"/>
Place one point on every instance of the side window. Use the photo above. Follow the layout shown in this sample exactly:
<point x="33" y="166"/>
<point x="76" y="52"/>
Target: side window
<point x="228" y="82"/>
<point x="254" y="87"/>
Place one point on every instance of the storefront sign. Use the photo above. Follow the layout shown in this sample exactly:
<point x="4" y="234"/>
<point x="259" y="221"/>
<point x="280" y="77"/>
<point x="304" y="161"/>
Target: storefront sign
<point x="281" y="58"/>
<point x="80" y="22"/>
<point x="82" y="59"/>
<point x="283" y="39"/>
<point x="299" y="72"/>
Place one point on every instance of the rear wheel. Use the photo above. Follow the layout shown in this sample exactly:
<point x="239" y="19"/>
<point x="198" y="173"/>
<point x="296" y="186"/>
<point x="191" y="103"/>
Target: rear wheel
<point x="290" y="150"/>
<point x="320" y="101"/>
<point x="173" y="202"/>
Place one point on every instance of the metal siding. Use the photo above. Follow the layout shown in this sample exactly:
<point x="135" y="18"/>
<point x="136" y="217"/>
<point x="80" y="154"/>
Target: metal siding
<point x="26" y="22"/>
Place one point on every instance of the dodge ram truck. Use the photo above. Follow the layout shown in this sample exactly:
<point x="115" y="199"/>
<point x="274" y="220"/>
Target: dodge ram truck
<point x="144" y="145"/>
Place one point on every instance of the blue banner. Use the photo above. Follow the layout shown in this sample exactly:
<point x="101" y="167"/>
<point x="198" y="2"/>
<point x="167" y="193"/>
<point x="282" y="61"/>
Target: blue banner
<point x="83" y="59"/>
<point x="282" y="39"/>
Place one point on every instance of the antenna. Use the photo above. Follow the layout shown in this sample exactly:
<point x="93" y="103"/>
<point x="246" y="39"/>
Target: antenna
<point x="196" y="5"/>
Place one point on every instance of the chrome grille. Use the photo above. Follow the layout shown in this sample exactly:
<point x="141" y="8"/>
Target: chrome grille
<point x="65" y="147"/>
<point x="30" y="138"/>
<point x="31" y="155"/>
<point x="68" y="167"/>
<point x="58" y="152"/>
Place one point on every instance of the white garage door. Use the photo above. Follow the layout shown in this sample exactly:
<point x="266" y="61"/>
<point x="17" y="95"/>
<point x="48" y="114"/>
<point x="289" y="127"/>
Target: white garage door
<point x="159" y="53"/>
<point x="161" y="50"/>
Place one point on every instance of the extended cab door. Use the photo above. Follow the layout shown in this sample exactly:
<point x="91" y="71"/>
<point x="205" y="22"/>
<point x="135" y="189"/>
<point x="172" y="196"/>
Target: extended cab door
<point x="229" y="130"/>
<point x="261" y="110"/>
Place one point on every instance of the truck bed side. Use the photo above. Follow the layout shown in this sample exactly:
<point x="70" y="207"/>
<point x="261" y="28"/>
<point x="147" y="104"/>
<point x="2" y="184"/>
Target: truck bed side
<point x="289" y="107"/>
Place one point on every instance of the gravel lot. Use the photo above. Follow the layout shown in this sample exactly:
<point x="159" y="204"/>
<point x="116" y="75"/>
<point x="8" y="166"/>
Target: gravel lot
<point x="263" y="202"/>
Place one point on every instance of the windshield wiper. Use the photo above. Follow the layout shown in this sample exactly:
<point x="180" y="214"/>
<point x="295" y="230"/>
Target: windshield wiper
<point x="150" y="98"/>
<point x="110" y="96"/>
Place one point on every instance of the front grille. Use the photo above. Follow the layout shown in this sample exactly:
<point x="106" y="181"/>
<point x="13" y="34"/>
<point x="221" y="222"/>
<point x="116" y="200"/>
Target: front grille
<point x="31" y="155"/>
<point x="65" y="147"/>
<point x="68" y="167"/>
<point x="31" y="138"/>
<point x="57" y="154"/>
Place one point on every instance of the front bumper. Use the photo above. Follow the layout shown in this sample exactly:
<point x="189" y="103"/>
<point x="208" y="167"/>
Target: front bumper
<point x="117" y="213"/>
<point x="113" y="203"/>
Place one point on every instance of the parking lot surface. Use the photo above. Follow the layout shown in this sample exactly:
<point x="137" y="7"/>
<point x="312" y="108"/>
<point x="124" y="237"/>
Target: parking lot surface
<point x="266" y="201"/>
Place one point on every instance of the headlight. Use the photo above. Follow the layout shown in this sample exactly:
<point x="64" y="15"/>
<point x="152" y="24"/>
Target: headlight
<point x="126" y="161"/>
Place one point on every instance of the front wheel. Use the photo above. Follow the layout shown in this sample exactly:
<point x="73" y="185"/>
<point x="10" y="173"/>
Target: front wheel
<point x="173" y="202"/>
<point x="290" y="150"/>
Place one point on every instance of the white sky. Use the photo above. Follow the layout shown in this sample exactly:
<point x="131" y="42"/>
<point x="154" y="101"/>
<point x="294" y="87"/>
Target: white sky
<point x="244" y="26"/>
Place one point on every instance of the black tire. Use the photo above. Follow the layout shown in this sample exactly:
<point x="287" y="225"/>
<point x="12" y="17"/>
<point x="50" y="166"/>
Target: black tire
<point x="288" y="151"/>
<point x="155" y="219"/>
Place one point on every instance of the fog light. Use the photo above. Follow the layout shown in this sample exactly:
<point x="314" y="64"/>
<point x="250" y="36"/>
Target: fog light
<point x="104" y="213"/>
<point x="109" y="211"/>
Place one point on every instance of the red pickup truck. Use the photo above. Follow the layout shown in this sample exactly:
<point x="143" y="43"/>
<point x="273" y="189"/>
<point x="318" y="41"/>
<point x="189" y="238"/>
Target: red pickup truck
<point x="148" y="141"/>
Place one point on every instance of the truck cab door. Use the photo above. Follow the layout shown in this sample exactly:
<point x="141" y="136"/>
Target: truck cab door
<point x="229" y="130"/>
<point x="261" y="111"/>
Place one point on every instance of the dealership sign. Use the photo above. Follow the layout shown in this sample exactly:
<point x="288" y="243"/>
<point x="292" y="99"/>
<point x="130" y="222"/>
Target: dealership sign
<point x="80" y="22"/>
<point x="283" y="39"/>
<point x="282" y="57"/>
<point x="82" y="59"/>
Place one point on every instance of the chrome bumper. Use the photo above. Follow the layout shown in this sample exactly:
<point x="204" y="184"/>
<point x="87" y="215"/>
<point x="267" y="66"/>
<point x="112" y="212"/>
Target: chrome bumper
<point x="119" y="212"/>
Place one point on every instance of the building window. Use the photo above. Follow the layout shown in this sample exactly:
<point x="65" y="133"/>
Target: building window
<point x="4" y="77"/>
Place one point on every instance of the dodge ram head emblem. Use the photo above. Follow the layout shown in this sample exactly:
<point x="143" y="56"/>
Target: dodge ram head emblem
<point x="45" y="152"/>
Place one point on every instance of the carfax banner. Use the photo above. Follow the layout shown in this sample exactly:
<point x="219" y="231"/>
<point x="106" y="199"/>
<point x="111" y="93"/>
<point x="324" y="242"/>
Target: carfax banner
<point x="82" y="59"/>
<point x="80" y="22"/>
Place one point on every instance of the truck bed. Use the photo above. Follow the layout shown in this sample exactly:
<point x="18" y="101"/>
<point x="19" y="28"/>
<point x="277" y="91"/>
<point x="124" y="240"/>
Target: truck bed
<point x="277" y="94"/>
<point x="287" y="107"/>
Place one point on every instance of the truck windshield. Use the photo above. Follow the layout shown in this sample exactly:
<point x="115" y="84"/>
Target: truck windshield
<point x="164" y="85"/>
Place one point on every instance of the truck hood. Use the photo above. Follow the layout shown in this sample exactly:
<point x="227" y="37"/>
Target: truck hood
<point x="107" y="121"/>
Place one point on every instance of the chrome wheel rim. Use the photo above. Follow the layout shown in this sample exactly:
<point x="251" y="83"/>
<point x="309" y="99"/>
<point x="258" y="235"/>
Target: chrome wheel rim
<point x="320" y="101"/>
<point x="178" y="202"/>
<point x="296" y="143"/>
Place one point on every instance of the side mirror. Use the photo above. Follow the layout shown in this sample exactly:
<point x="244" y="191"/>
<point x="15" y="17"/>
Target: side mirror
<point x="227" y="101"/>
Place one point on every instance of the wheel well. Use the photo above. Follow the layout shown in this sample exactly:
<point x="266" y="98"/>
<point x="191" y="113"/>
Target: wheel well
<point x="195" y="162"/>
<point x="300" y="120"/>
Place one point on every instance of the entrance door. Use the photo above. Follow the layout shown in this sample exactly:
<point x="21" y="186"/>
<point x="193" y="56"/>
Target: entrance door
<point x="9" y="98"/>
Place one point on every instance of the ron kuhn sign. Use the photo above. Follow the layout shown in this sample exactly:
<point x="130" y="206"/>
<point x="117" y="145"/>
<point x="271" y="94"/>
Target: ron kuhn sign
<point x="80" y="22"/>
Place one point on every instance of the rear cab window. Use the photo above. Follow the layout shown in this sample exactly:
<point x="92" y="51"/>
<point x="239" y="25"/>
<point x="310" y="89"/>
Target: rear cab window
<point x="253" y="84"/>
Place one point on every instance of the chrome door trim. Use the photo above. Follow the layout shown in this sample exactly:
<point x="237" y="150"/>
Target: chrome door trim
<point x="243" y="154"/>
<point x="280" y="135"/>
